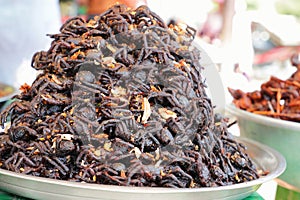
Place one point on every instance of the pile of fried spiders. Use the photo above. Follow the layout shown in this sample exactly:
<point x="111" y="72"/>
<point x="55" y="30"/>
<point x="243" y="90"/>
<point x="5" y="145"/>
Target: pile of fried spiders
<point x="120" y="100"/>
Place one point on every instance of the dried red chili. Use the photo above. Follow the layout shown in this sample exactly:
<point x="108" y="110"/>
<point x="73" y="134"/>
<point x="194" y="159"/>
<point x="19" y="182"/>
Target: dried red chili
<point x="276" y="98"/>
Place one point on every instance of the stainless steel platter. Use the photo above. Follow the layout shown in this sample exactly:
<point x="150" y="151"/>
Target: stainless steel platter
<point x="264" y="157"/>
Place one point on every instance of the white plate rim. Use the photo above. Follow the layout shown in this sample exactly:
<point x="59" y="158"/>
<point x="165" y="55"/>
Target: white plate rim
<point x="261" y="119"/>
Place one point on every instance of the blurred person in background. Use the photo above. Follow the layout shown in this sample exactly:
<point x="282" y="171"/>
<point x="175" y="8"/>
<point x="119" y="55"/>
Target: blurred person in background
<point x="24" y="28"/>
<point x="95" y="7"/>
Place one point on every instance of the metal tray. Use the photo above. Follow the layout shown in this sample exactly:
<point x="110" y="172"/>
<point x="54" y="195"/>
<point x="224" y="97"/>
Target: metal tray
<point x="28" y="186"/>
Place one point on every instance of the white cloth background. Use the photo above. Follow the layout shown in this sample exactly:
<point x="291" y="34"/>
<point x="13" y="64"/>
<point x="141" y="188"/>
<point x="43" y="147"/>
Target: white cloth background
<point x="24" y="25"/>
